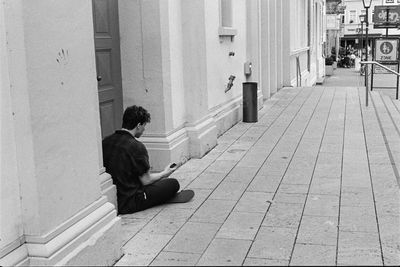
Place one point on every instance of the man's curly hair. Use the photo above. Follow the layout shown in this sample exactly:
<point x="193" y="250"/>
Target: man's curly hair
<point x="134" y="115"/>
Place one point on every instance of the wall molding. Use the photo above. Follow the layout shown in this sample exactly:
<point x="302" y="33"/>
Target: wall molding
<point x="69" y="236"/>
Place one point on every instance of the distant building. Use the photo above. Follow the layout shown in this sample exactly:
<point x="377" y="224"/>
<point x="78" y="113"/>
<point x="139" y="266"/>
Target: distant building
<point x="351" y="34"/>
<point x="69" y="68"/>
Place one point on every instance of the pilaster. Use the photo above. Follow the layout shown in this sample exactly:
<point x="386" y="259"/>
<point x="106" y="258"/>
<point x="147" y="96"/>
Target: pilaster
<point x="53" y="93"/>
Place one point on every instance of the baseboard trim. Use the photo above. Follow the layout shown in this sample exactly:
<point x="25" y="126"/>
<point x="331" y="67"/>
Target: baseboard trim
<point x="67" y="224"/>
<point x="88" y="225"/>
<point x="59" y="246"/>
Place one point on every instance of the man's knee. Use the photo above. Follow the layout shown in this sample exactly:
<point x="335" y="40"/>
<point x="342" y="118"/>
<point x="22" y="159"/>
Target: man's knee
<point x="174" y="184"/>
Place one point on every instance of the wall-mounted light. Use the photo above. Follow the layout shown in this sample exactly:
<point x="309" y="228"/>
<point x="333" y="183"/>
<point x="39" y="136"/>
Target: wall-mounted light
<point x="230" y="83"/>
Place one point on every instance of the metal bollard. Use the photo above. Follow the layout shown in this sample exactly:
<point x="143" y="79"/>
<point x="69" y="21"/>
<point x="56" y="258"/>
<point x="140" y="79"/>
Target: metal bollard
<point x="250" y="111"/>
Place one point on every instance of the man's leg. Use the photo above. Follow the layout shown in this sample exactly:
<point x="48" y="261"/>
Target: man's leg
<point x="159" y="193"/>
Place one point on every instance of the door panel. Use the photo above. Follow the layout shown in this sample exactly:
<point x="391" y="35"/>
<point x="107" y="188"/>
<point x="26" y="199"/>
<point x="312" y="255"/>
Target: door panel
<point x="108" y="64"/>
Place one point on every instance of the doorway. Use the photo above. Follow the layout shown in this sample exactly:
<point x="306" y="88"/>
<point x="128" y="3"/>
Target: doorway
<point x="108" y="64"/>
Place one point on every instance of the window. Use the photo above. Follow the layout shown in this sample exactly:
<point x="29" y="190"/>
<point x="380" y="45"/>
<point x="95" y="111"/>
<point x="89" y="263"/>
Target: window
<point x="226" y="13"/>
<point x="352" y="16"/>
<point x="226" y="19"/>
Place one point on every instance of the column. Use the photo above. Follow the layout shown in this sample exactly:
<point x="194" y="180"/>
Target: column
<point x="53" y="92"/>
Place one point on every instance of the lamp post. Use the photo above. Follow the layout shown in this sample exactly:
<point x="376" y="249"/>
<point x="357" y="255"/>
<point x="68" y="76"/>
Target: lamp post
<point x="367" y="5"/>
<point x="362" y="20"/>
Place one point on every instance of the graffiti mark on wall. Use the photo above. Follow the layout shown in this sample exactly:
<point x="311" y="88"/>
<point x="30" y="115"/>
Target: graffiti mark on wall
<point x="62" y="57"/>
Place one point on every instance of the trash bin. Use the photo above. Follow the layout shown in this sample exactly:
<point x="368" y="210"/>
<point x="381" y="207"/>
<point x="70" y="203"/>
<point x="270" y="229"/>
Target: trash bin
<point x="250" y="102"/>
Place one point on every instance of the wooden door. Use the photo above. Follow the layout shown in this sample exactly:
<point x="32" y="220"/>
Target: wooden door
<point x="108" y="64"/>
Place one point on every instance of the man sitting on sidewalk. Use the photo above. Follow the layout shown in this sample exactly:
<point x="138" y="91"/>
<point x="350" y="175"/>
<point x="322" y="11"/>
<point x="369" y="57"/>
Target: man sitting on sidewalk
<point x="127" y="160"/>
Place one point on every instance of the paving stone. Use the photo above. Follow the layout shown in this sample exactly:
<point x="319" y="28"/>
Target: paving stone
<point x="297" y="176"/>
<point x="143" y="248"/>
<point x="388" y="205"/>
<point x="194" y="165"/>
<point x="331" y="147"/>
<point x="354" y="171"/>
<point x="264" y="183"/>
<point x="359" y="180"/>
<point x="207" y="180"/>
<point x="221" y="166"/>
<point x="241" y="225"/>
<point x="318" y="230"/>
<point x="274" y="168"/>
<point x="293" y="188"/>
<point x="329" y="170"/>
<point x="358" y="248"/>
<point x="233" y="154"/>
<point x="379" y="158"/>
<point x="313" y="255"/>
<point x="362" y="219"/>
<point x="265" y="262"/>
<point x="213" y="211"/>
<point x="130" y="226"/>
<point x="229" y="190"/>
<point x="273" y="243"/>
<point x="325" y="186"/>
<point x="225" y="252"/>
<point x="390" y="239"/>
<point x="241" y="174"/>
<point x="329" y="158"/>
<point x="381" y="170"/>
<point x="357" y="197"/>
<point x="193" y="237"/>
<point x="283" y="215"/>
<point x="290" y="198"/>
<point x="254" y="202"/>
<point x="146" y="214"/>
<point x="176" y="259"/>
<point x="322" y="205"/>
<point x="168" y="221"/>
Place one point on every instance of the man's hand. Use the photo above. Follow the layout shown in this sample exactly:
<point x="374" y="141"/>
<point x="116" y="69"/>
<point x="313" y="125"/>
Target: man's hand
<point x="149" y="178"/>
<point x="170" y="168"/>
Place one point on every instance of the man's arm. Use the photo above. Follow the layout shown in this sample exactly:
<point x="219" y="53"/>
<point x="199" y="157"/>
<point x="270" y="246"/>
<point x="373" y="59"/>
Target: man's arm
<point x="149" y="178"/>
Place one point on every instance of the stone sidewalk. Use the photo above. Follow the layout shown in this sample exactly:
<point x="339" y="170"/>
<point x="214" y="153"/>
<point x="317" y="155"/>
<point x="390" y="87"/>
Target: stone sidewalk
<point x="314" y="182"/>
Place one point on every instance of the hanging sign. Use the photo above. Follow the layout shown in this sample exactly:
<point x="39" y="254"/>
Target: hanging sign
<point x="381" y="18"/>
<point x="386" y="49"/>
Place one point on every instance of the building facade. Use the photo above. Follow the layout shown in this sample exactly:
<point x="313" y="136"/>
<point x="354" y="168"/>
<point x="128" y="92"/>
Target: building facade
<point x="69" y="68"/>
<point x="353" y="32"/>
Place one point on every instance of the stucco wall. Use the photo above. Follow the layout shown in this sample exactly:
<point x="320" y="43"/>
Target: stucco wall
<point x="10" y="208"/>
<point x="219" y="64"/>
<point x="54" y="98"/>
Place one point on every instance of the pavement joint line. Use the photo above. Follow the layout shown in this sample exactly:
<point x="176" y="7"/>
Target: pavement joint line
<point x="341" y="180"/>
<point x="316" y="160"/>
<point x="396" y="106"/>
<point x="390" y="115"/>
<point x="395" y="170"/>
<point x="294" y="97"/>
<point x="377" y="124"/>
<point x="370" y="174"/>
<point x="287" y="164"/>
<point x="275" y="104"/>
<point x="294" y="116"/>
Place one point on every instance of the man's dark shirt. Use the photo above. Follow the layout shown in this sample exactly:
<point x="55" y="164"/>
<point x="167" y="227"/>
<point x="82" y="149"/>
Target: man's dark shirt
<point x="126" y="159"/>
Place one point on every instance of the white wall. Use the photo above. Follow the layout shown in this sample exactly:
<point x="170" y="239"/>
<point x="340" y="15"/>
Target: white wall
<point x="219" y="64"/>
<point x="10" y="206"/>
<point x="55" y="112"/>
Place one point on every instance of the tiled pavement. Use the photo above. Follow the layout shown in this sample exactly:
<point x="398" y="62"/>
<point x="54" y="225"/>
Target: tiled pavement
<point x="314" y="182"/>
